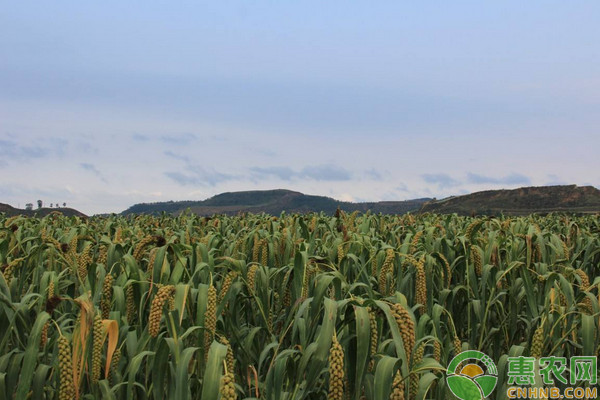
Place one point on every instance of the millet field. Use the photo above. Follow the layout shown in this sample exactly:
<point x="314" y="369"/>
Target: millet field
<point x="350" y="306"/>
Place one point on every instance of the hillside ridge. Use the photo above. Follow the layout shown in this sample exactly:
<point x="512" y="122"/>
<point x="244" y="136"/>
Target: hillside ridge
<point x="272" y="202"/>
<point x="521" y="201"/>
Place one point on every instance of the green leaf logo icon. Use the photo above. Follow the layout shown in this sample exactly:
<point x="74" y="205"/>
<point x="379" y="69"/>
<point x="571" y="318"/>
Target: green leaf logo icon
<point x="472" y="375"/>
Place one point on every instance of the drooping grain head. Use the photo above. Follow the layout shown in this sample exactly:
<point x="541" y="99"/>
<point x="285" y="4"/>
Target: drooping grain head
<point x="44" y="336"/>
<point x="336" y="371"/>
<point x="471" y="228"/>
<point x="373" y="257"/>
<point x="227" y="282"/>
<point x="51" y="289"/>
<point x="210" y="319"/>
<point x="229" y="358"/>
<point x="585" y="280"/>
<point x="66" y="389"/>
<point x="251" y="277"/>
<point x="130" y="304"/>
<point x="98" y="332"/>
<point x="264" y="257"/>
<point x="162" y="296"/>
<point x="537" y="342"/>
<point x="84" y="259"/>
<point x="340" y="252"/>
<point x="397" y="387"/>
<point x="421" y="286"/>
<point x="374" y="337"/>
<point x="457" y="345"/>
<point x="406" y="327"/>
<point x="106" y="301"/>
<point x="447" y="270"/>
<point x="256" y="249"/>
<point x="385" y="287"/>
<point x="566" y="251"/>
<point x="227" y="387"/>
<point x="114" y="364"/>
<point x="72" y="250"/>
<point x="476" y="260"/>
<point x="102" y="255"/>
<point x="414" y="377"/>
<point x="151" y="261"/>
<point x="139" y="248"/>
<point x="118" y="235"/>
<point x="437" y="351"/>
<point x="415" y="242"/>
<point x="309" y="271"/>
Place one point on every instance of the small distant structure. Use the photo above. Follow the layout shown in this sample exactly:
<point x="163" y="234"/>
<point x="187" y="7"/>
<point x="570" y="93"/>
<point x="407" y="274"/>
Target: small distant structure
<point x="29" y="206"/>
<point x="40" y="204"/>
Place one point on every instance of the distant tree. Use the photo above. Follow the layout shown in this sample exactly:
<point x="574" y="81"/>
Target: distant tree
<point x="51" y="204"/>
<point x="40" y="203"/>
<point x="64" y="204"/>
<point x="29" y="206"/>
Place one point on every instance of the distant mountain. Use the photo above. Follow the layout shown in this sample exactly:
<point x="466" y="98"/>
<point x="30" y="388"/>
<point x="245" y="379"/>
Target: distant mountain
<point x="522" y="201"/>
<point x="41" y="212"/>
<point x="272" y="202"/>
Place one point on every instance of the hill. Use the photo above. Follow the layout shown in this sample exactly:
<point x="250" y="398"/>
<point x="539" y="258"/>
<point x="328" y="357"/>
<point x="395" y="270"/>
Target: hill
<point x="522" y="201"/>
<point x="42" y="212"/>
<point x="272" y="202"/>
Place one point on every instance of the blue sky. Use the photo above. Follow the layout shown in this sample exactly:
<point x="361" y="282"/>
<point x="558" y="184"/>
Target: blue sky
<point x="108" y="104"/>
